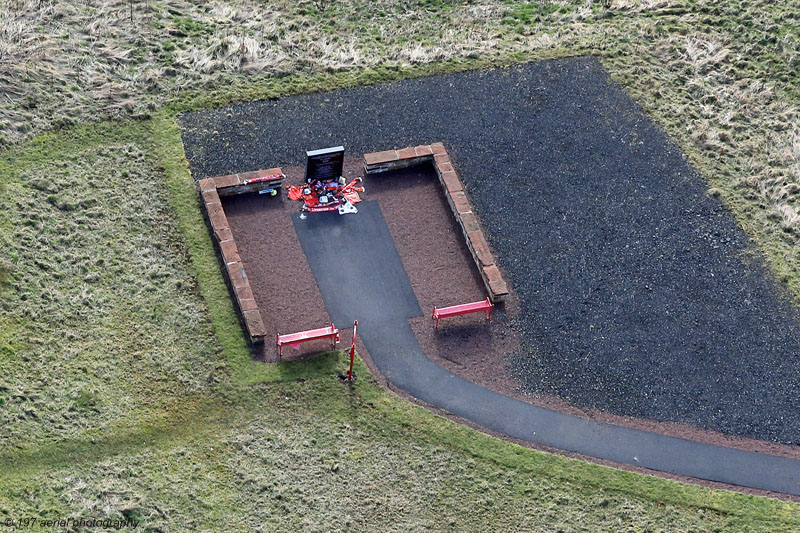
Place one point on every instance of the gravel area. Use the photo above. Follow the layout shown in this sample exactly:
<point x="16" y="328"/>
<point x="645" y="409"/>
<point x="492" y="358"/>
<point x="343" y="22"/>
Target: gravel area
<point x="639" y="295"/>
<point x="430" y="244"/>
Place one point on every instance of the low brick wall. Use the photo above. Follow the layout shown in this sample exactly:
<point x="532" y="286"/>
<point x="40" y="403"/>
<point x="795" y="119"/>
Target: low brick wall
<point x="458" y="200"/>
<point x="392" y="159"/>
<point x="210" y="190"/>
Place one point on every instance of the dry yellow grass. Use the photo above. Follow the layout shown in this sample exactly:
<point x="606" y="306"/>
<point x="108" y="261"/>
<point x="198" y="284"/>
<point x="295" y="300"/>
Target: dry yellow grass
<point x="721" y="77"/>
<point x="721" y="72"/>
<point x="65" y="62"/>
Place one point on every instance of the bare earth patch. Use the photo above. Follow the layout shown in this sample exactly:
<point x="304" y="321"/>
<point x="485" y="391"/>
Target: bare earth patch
<point x="441" y="272"/>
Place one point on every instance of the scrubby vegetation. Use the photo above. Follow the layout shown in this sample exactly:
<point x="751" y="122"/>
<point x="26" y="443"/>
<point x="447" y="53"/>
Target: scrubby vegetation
<point x="315" y="455"/>
<point x="720" y="76"/>
<point x="125" y="385"/>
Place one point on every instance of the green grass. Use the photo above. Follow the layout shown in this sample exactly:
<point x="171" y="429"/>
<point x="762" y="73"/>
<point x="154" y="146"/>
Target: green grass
<point x="318" y="454"/>
<point x="126" y="387"/>
<point x="144" y="402"/>
<point x="184" y="203"/>
<point x="108" y="327"/>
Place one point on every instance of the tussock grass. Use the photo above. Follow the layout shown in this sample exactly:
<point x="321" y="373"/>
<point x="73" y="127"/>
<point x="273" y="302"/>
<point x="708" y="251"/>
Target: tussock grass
<point x="125" y="385"/>
<point x="108" y="326"/>
<point x="721" y="76"/>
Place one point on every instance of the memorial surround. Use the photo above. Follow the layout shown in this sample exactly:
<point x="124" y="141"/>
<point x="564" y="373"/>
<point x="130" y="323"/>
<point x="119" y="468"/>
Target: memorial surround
<point x="211" y="189"/>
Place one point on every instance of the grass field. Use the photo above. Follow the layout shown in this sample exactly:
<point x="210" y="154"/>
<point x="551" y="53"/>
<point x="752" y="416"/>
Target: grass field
<point x="126" y="388"/>
<point x="721" y="77"/>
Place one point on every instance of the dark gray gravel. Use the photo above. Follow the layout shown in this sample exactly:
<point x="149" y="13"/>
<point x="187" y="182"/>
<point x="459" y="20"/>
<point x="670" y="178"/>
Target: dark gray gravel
<point x="640" y="294"/>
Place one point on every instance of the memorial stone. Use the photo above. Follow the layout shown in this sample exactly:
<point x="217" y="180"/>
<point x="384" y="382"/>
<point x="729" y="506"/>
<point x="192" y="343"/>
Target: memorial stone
<point x="324" y="164"/>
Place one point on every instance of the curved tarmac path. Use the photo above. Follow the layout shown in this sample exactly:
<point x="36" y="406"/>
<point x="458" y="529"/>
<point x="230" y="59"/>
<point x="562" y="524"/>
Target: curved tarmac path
<point x="361" y="276"/>
<point x="640" y="294"/>
<point x="603" y="228"/>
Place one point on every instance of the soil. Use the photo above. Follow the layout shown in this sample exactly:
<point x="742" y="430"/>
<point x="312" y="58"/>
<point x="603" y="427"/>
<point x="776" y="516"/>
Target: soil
<point x="430" y="244"/>
<point x="637" y="295"/>
<point x="280" y="278"/>
<point x="441" y="272"/>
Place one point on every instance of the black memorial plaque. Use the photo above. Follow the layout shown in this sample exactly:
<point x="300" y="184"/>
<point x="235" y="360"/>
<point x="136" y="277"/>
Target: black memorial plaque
<point x="324" y="164"/>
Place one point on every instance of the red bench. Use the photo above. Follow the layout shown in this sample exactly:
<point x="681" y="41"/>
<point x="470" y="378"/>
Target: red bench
<point x="295" y="339"/>
<point x="272" y="177"/>
<point x="463" y="309"/>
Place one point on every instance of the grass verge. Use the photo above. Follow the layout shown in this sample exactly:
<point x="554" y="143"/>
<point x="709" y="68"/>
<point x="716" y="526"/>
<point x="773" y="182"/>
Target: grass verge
<point x="125" y="386"/>
<point x="317" y="453"/>
<point x="278" y="447"/>
<point x="183" y="200"/>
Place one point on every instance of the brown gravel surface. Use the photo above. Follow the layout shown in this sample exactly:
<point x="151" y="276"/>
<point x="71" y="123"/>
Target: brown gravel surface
<point x="281" y="280"/>
<point x="441" y="272"/>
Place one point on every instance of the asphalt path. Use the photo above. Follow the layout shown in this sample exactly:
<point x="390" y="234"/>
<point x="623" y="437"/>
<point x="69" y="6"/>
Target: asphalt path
<point x="640" y="295"/>
<point x="361" y="277"/>
<point x="356" y="265"/>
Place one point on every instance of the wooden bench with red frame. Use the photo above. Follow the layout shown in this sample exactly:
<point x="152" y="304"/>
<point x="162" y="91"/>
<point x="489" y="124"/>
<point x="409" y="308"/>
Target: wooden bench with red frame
<point x="463" y="309"/>
<point x="295" y="339"/>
